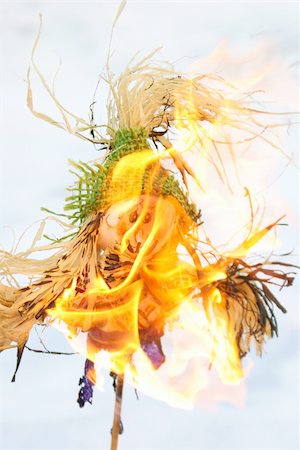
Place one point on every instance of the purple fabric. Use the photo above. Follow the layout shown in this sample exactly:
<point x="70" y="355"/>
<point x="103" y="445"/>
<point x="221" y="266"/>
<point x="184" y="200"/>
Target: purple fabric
<point x="86" y="391"/>
<point x="154" y="353"/>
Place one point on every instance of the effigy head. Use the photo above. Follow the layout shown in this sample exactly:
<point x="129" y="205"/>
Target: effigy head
<point x="131" y="170"/>
<point x="136" y="220"/>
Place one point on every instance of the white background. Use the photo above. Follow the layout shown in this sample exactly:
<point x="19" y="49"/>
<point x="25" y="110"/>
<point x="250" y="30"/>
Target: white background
<point x="39" y="411"/>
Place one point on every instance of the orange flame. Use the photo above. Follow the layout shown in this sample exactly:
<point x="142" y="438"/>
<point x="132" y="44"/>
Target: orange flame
<point x="161" y="293"/>
<point x="160" y="289"/>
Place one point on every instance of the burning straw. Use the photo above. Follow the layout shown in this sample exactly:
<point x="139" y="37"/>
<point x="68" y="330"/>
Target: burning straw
<point x="133" y="265"/>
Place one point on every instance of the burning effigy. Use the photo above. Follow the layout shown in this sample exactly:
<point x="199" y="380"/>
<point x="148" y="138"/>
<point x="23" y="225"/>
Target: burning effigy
<point x="133" y="266"/>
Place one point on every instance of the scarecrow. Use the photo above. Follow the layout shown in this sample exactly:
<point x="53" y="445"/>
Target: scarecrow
<point x="119" y="277"/>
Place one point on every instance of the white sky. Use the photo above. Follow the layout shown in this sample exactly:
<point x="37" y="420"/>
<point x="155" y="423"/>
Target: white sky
<point x="39" y="411"/>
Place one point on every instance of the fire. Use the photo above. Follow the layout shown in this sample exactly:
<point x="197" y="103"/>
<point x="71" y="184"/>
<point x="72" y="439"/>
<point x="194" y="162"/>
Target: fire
<point x="160" y="285"/>
<point x="142" y="283"/>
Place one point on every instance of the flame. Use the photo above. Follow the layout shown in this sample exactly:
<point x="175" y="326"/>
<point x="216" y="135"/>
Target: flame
<point x="164" y="321"/>
<point x="163" y="294"/>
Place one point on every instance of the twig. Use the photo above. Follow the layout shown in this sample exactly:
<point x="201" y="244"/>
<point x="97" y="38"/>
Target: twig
<point x="41" y="340"/>
<point x="117" y="423"/>
<point x="50" y="352"/>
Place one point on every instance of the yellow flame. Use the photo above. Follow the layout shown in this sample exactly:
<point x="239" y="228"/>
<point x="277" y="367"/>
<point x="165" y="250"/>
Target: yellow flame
<point x="163" y="295"/>
<point x="156" y="296"/>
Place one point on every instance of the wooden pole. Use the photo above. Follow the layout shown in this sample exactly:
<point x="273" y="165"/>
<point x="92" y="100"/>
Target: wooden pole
<point x="117" y="424"/>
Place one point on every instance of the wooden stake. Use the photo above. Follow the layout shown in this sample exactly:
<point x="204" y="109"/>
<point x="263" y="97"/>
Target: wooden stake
<point x="116" y="430"/>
